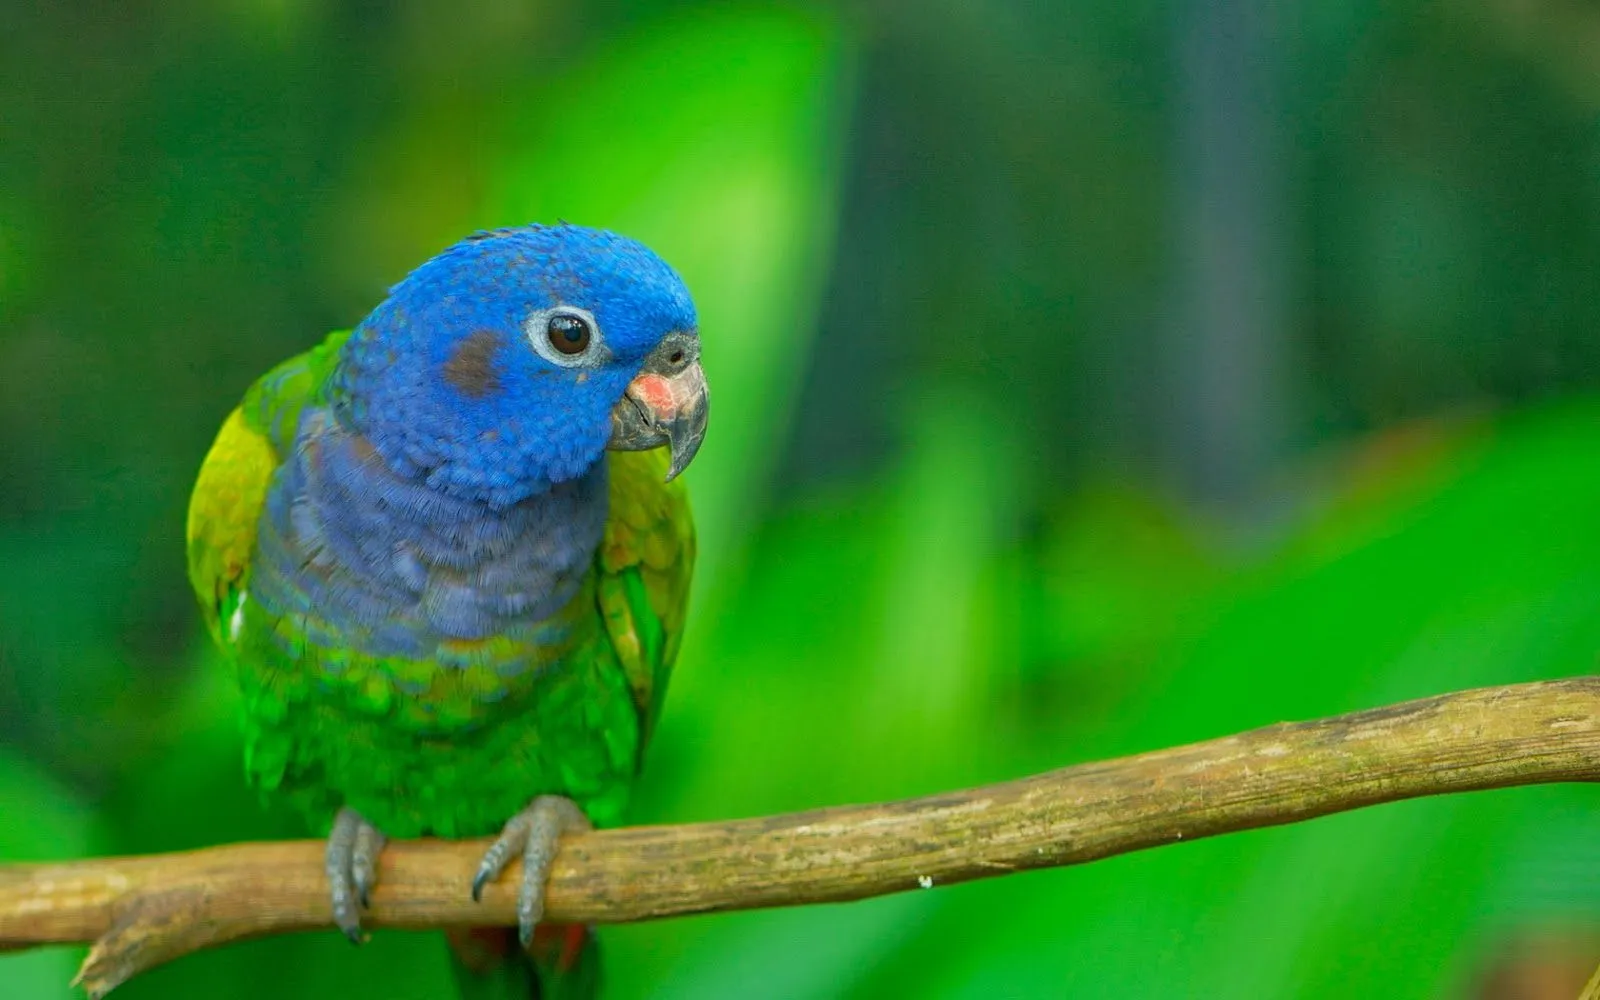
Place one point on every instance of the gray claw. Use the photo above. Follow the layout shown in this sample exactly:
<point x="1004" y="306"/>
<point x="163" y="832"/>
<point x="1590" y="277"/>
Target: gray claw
<point x="351" y="863"/>
<point x="364" y="861"/>
<point x="532" y="833"/>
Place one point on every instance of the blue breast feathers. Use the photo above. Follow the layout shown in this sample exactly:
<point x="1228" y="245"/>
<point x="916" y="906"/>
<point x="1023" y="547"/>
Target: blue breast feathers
<point x="392" y="567"/>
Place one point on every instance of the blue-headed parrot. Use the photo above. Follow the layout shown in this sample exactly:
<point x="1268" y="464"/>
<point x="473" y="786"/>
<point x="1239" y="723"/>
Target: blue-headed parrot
<point x="447" y="556"/>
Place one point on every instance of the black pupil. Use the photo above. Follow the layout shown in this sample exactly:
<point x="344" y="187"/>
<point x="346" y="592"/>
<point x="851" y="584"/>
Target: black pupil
<point x="569" y="334"/>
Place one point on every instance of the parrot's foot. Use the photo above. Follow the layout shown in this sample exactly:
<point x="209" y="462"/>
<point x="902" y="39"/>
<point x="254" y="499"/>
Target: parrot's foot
<point x="352" y="866"/>
<point x="533" y="833"/>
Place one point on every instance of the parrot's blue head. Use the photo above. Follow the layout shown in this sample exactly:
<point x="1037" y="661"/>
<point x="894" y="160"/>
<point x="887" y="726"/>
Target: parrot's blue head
<point x="514" y="359"/>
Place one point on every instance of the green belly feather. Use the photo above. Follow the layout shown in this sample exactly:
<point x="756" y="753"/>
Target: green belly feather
<point x="413" y="765"/>
<point x="456" y="758"/>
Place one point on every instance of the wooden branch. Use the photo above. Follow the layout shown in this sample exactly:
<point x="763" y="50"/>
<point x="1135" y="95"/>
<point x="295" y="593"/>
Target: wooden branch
<point x="142" y="911"/>
<point x="1591" y="989"/>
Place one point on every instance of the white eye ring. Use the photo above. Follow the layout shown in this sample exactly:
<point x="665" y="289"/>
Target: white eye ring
<point x="538" y="329"/>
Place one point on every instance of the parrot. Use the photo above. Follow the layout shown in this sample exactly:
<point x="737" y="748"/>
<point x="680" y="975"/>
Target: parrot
<point x="446" y="554"/>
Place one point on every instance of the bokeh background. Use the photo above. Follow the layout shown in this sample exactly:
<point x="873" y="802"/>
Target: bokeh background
<point x="1091" y="377"/>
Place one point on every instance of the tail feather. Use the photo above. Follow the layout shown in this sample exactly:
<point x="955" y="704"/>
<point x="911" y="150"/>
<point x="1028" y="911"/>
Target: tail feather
<point x="562" y="964"/>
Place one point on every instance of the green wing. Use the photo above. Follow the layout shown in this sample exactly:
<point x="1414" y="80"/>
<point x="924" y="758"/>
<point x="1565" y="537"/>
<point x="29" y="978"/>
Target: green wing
<point x="645" y="564"/>
<point x="232" y="486"/>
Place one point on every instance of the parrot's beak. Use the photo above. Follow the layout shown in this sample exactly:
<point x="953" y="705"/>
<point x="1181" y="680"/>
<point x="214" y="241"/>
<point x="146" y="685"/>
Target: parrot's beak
<point x="666" y="404"/>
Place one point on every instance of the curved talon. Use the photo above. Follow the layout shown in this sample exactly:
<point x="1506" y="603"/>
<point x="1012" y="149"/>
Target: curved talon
<point x="351" y="863"/>
<point x="364" y="861"/>
<point x="532" y="833"/>
<point x="480" y="880"/>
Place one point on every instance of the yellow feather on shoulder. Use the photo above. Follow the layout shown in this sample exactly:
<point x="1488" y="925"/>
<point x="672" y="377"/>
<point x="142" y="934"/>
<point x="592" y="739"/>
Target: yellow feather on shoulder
<point x="223" y="511"/>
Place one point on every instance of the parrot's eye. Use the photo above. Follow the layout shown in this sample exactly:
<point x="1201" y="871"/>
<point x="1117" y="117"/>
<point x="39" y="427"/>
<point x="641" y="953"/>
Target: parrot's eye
<point x="569" y="334"/>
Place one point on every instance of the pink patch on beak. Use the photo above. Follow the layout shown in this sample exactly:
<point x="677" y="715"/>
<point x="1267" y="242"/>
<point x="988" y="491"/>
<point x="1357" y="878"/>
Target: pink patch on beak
<point x="655" y="393"/>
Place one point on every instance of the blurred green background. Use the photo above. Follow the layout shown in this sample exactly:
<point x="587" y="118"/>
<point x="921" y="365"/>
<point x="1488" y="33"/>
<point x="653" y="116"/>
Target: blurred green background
<point x="1091" y="377"/>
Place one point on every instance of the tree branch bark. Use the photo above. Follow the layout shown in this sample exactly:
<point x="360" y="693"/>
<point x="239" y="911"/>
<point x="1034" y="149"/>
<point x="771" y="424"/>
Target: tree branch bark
<point x="141" y="911"/>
